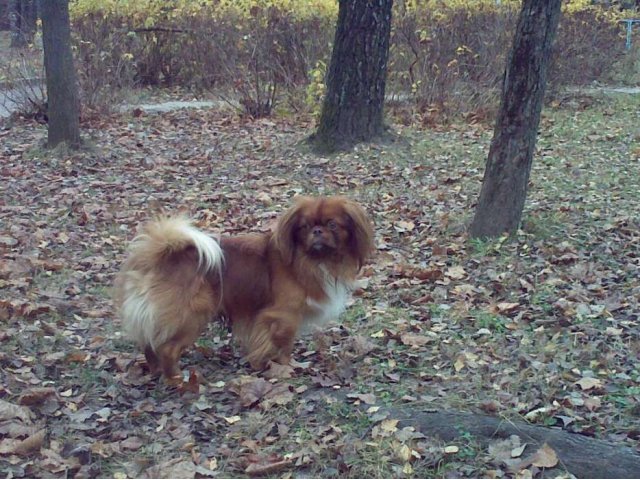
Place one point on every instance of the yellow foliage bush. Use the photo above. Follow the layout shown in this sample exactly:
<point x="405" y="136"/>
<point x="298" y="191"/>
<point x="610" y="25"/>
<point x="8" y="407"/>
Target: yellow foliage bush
<point x="442" y="51"/>
<point x="149" y="12"/>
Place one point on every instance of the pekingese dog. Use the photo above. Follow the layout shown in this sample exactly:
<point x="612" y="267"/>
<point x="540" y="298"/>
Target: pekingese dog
<point x="269" y="286"/>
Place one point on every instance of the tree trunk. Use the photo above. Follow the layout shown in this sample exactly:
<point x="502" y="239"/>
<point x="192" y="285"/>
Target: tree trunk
<point x="582" y="456"/>
<point x="62" y="90"/>
<point x="352" y="107"/>
<point x="504" y="187"/>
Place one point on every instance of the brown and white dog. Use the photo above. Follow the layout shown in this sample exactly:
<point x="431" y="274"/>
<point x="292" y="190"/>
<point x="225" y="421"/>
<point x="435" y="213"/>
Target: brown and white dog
<point x="269" y="286"/>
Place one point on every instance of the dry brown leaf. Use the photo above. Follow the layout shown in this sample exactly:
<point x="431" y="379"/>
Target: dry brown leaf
<point x="254" y="391"/>
<point x="278" y="370"/>
<point x="265" y="466"/>
<point x="507" y="307"/>
<point x="368" y="398"/>
<point x="30" y="444"/>
<point x="456" y="272"/>
<point x="587" y="383"/>
<point x="545" y="457"/>
<point x="592" y="403"/>
<point x="175" y="468"/>
<point x="280" y="394"/>
<point x="9" y="411"/>
<point x="35" y="395"/>
<point x="410" y="271"/>
<point x="132" y="443"/>
<point x="192" y="384"/>
<point x="403" y="226"/>
<point x="414" y="339"/>
<point x="502" y="452"/>
<point x="77" y="357"/>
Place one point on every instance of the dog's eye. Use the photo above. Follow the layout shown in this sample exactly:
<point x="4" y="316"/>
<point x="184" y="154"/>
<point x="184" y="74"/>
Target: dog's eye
<point x="332" y="225"/>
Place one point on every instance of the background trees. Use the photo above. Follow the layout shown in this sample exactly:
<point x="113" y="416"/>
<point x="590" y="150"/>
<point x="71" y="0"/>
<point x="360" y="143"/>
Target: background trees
<point x="356" y="79"/>
<point x="504" y="187"/>
<point x="22" y="21"/>
<point x="62" y="89"/>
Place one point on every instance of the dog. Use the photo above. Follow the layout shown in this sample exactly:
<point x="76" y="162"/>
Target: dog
<point x="270" y="287"/>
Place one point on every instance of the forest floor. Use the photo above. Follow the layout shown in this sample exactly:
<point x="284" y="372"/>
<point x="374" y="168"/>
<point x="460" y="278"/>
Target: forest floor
<point x="541" y="328"/>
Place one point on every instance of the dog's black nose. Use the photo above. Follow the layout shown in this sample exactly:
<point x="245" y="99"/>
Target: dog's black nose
<point x="317" y="231"/>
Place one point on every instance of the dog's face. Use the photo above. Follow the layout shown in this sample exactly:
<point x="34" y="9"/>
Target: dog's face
<point x="325" y="229"/>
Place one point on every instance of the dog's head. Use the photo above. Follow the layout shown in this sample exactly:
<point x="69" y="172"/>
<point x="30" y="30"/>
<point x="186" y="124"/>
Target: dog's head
<point x="325" y="229"/>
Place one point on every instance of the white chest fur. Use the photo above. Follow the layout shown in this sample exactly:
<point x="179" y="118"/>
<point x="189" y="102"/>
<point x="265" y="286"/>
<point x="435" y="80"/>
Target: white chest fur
<point x="322" y="312"/>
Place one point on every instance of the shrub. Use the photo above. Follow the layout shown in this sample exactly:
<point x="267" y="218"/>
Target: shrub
<point x="21" y="80"/>
<point x="254" y="48"/>
<point x="444" y="56"/>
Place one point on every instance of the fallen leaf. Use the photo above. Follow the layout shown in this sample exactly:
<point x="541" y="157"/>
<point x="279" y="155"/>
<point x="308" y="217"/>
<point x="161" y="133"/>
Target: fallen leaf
<point x="459" y="363"/>
<point x="233" y="419"/>
<point x="266" y="466"/>
<point x="587" y="383"/>
<point x="403" y="226"/>
<point x="132" y="443"/>
<point x="389" y="425"/>
<point x="545" y="457"/>
<point x="35" y="395"/>
<point x="30" y="444"/>
<point x="414" y="340"/>
<point x="403" y="452"/>
<point x="517" y="451"/>
<point x="176" y="468"/>
<point x="280" y="394"/>
<point x="593" y="403"/>
<point x="456" y="272"/>
<point x="250" y="389"/>
<point x="9" y="410"/>
<point x="278" y="371"/>
<point x="507" y="307"/>
<point x="368" y="398"/>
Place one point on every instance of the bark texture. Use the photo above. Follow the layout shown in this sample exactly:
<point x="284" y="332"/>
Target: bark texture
<point x="352" y="110"/>
<point x="62" y="89"/>
<point x="504" y="187"/>
<point x="581" y="456"/>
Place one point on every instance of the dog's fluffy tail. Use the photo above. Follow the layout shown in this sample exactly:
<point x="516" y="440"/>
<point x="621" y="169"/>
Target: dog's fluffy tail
<point x="163" y="238"/>
<point x="162" y="289"/>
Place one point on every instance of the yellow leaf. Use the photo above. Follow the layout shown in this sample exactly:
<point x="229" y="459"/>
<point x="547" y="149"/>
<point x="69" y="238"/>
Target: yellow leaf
<point x="459" y="363"/>
<point x="546" y="457"/>
<point x="389" y="425"/>
<point x="404" y="453"/>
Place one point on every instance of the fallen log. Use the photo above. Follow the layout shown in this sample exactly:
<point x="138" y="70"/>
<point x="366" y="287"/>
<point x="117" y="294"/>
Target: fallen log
<point x="582" y="456"/>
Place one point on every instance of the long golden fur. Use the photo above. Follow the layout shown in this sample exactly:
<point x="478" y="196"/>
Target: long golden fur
<point x="269" y="286"/>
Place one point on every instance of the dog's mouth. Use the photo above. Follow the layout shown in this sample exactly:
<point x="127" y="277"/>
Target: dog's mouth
<point x="319" y="247"/>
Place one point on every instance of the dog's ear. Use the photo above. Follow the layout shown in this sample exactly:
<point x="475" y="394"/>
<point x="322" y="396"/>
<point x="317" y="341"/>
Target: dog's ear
<point x="284" y="235"/>
<point x="361" y="240"/>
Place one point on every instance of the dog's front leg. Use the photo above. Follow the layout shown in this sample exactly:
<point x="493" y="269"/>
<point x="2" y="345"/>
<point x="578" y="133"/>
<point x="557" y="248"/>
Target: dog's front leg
<point x="272" y="336"/>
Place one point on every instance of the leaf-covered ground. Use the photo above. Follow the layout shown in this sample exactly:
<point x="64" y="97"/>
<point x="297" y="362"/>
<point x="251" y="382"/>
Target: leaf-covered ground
<point x="541" y="328"/>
